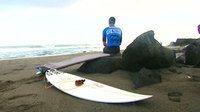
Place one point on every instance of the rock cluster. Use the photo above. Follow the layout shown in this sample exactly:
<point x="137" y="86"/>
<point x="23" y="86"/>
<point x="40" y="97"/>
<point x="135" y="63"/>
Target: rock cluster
<point x="142" y="55"/>
<point x="188" y="54"/>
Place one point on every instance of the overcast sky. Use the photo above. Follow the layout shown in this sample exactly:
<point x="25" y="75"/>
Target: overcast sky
<point x="24" y="22"/>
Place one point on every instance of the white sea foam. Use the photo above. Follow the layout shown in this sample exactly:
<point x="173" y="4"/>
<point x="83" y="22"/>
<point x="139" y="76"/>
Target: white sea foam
<point x="10" y="52"/>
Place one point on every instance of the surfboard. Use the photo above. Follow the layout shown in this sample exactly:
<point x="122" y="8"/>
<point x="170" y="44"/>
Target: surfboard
<point x="91" y="90"/>
<point x="76" y="60"/>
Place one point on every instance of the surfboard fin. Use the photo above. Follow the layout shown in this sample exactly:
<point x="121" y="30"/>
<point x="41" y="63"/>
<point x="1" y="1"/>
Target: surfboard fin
<point x="41" y="70"/>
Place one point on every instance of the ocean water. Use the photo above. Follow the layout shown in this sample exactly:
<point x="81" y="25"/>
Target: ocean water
<point x="13" y="52"/>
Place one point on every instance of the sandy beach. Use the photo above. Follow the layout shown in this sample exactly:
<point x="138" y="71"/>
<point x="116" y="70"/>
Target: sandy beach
<point x="21" y="90"/>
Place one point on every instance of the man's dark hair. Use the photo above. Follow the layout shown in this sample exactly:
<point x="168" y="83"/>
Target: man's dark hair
<point x="112" y="20"/>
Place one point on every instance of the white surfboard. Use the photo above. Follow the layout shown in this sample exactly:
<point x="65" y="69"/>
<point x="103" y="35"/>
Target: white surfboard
<point x="91" y="90"/>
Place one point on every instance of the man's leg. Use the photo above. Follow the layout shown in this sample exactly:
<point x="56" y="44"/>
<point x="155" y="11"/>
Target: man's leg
<point x="106" y="50"/>
<point x="115" y="49"/>
<point x="111" y="50"/>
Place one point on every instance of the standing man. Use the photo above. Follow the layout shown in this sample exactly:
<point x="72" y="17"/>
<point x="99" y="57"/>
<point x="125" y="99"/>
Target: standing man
<point x="112" y="38"/>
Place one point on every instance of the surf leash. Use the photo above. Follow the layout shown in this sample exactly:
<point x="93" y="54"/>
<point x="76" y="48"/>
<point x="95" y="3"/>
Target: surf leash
<point x="78" y="84"/>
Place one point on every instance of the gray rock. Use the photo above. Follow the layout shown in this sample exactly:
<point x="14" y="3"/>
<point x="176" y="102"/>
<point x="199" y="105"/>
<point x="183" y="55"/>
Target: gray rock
<point x="146" y="52"/>
<point x="181" y="59"/>
<point x="185" y="41"/>
<point x="103" y="65"/>
<point x="145" y="77"/>
<point x="192" y="54"/>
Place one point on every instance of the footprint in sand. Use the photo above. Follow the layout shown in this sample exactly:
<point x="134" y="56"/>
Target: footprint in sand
<point x="175" y="96"/>
<point x="21" y="107"/>
<point x="32" y="80"/>
<point x="22" y="96"/>
<point x="20" y="67"/>
<point x="5" y="86"/>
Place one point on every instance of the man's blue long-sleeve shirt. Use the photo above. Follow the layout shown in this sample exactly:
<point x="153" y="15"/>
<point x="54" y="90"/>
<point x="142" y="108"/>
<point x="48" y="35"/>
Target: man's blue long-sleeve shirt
<point x="113" y="36"/>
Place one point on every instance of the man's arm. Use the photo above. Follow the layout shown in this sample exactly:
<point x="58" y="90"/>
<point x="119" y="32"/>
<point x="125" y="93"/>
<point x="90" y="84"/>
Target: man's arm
<point x="121" y="38"/>
<point x="104" y="43"/>
<point x="104" y="37"/>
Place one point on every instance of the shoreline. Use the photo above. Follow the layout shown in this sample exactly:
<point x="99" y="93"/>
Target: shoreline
<point x="46" y="56"/>
<point x="16" y="52"/>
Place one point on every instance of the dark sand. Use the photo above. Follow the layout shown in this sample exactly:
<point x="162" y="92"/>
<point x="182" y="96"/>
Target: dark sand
<point x="21" y="90"/>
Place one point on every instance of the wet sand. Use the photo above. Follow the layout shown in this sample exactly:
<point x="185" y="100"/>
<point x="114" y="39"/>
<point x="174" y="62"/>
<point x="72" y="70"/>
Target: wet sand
<point x="21" y="90"/>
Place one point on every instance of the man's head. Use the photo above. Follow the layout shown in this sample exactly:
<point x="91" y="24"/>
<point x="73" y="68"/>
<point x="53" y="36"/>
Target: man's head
<point x="111" y="20"/>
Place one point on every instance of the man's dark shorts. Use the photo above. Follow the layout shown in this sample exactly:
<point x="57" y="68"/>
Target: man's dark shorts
<point x="111" y="49"/>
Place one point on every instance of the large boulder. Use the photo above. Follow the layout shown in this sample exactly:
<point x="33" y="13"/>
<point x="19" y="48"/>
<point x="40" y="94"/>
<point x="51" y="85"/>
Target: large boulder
<point x="103" y="65"/>
<point x="192" y="54"/>
<point x="145" y="77"/>
<point x="147" y="52"/>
